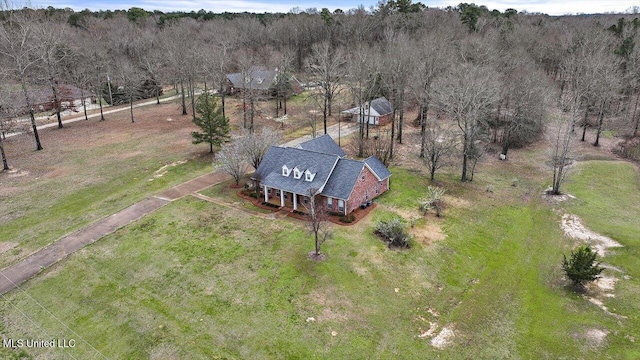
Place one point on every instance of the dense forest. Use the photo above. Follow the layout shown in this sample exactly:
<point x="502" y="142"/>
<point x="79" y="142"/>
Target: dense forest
<point x="499" y="77"/>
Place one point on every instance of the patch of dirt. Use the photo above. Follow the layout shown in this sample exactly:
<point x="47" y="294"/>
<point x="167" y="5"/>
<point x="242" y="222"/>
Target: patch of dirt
<point x="444" y="337"/>
<point x="573" y="227"/>
<point x="457" y="202"/>
<point x="430" y="332"/>
<point x="163" y="170"/>
<point x="6" y="246"/>
<point x="606" y="283"/>
<point x="595" y="337"/>
<point x="546" y="195"/>
<point x="428" y="234"/>
<point x="601" y="305"/>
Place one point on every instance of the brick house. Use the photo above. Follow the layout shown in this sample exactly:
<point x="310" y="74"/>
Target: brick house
<point x="376" y="112"/>
<point x="259" y="79"/>
<point x="287" y="176"/>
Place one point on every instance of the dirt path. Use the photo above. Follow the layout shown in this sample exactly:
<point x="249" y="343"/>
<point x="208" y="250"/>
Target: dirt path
<point x="16" y="274"/>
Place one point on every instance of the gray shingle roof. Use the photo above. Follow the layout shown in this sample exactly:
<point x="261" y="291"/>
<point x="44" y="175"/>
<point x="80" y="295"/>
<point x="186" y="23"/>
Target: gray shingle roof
<point x="259" y="78"/>
<point x="343" y="179"/>
<point x="382" y="106"/>
<point x="323" y="144"/>
<point x="335" y="176"/>
<point x="378" y="167"/>
<point x="270" y="169"/>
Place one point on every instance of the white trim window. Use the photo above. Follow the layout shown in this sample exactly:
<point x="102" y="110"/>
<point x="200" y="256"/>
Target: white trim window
<point x="297" y="174"/>
<point x="308" y="176"/>
<point x="285" y="170"/>
<point x="329" y="203"/>
<point x="340" y="205"/>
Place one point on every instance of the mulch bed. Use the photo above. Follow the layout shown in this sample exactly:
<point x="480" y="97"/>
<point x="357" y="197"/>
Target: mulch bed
<point x="358" y="213"/>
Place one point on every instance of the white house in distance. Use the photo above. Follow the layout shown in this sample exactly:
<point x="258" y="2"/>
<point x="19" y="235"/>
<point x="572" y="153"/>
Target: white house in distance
<point x="376" y="112"/>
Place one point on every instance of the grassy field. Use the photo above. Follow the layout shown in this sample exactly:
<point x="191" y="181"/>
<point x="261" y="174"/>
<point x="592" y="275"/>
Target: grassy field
<point x="90" y="170"/>
<point x="196" y="280"/>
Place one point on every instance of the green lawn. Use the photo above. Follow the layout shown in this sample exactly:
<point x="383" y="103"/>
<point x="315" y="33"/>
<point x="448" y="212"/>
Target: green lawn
<point x="195" y="280"/>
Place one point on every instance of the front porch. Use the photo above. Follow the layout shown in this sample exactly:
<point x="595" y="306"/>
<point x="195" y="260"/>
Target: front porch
<point x="286" y="199"/>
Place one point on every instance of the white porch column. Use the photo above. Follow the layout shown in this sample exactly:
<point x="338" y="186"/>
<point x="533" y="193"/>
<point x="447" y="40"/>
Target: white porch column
<point x="266" y="194"/>
<point x="295" y="201"/>
<point x="281" y="198"/>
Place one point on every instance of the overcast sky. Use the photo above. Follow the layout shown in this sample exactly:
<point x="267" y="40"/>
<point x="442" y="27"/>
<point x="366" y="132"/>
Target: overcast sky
<point x="551" y="7"/>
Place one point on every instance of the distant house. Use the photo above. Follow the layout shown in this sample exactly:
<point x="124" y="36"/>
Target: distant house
<point x="318" y="167"/>
<point x="259" y="79"/>
<point x="69" y="96"/>
<point x="376" y="112"/>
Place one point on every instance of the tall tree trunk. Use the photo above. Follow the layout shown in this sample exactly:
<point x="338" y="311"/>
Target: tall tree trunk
<point x="278" y="105"/>
<point x="84" y="105"/>
<point x="324" y="112"/>
<point x="424" y="110"/>
<point x="392" y="140"/>
<point x="244" y="108"/>
<point x="5" y="165"/>
<point x="31" y="116"/>
<point x="56" y="102"/>
<point x="184" y="102"/>
<point x="131" y="107"/>
<point x="157" y="91"/>
<point x="401" y="120"/>
<point x="600" y="121"/>
<point x="635" y="130"/>
<point x="584" y="123"/>
<point x="285" y="106"/>
<point x="99" y="95"/>
<point x="192" y="95"/>
<point x="222" y="96"/>
<point x="251" y="114"/>
<point x="465" y="157"/>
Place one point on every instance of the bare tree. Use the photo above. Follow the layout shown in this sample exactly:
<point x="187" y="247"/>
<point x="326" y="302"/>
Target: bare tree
<point x="328" y="68"/>
<point x="432" y="53"/>
<point x="255" y="145"/>
<point x="317" y="222"/>
<point x="522" y="109"/>
<point x="438" y="145"/>
<point x="20" y="55"/>
<point x="363" y="68"/>
<point x="468" y="95"/>
<point x="282" y="84"/>
<point x="560" y="138"/>
<point x="52" y="45"/>
<point x="230" y="158"/>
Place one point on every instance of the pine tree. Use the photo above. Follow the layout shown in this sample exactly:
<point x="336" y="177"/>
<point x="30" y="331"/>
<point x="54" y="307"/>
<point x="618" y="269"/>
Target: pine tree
<point x="214" y="126"/>
<point x="583" y="266"/>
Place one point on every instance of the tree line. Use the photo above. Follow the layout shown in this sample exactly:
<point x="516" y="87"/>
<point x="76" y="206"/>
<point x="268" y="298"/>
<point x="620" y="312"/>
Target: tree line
<point x="474" y="75"/>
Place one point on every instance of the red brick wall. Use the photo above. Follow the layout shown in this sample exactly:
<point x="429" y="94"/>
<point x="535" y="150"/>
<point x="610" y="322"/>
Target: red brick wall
<point x="366" y="187"/>
<point x="384" y="120"/>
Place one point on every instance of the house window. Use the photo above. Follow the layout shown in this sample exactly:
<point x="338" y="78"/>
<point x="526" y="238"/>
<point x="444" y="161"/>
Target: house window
<point x="308" y="176"/>
<point x="306" y="200"/>
<point x="285" y="170"/>
<point x="340" y="205"/>
<point x="277" y="192"/>
<point x="377" y="188"/>
<point x="362" y="176"/>
<point x="330" y="203"/>
<point x="297" y="174"/>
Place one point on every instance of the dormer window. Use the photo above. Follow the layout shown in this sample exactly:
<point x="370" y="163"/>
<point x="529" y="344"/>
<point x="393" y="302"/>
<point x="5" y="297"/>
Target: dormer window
<point x="259" y="81"/>
<point x="285" y="170"/>
<point x="247" y="80"/>
<point x="297" y="174"/>
<point x="308" y="176"/>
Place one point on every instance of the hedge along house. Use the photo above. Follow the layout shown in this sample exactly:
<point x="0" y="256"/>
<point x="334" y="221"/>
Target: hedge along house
<point x="288" y="176"/>
<point x="376" y="112"/>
